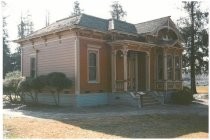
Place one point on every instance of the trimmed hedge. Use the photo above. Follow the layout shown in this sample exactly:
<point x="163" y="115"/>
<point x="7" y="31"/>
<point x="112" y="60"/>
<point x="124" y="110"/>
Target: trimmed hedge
<point x="182" y="97"/>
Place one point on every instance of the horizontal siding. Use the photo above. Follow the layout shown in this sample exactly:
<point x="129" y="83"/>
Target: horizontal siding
<point x="53" y="57"/>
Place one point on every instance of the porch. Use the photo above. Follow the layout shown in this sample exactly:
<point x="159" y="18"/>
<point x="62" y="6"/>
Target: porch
<point x="136" y="66"/>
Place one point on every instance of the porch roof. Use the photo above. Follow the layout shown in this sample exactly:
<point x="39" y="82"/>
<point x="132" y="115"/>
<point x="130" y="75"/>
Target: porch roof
<point x="130" y="42"/>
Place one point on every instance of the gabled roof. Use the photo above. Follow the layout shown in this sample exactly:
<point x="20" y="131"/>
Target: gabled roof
<point x="150" y="26"/>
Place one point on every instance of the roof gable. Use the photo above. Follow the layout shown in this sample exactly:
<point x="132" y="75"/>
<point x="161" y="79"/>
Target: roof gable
<point x="150" y="26"/>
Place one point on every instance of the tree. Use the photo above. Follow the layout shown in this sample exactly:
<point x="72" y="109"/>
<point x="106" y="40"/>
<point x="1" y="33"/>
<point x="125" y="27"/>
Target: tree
<point x="24" y="28"/>
<point x="16" y="59"/>
<point x="195" y="36"/>
<point x="6" y="50"/>
<point x="26" y="25"/>
<point x="76" y="9"/>
<point x="117" y="11"/>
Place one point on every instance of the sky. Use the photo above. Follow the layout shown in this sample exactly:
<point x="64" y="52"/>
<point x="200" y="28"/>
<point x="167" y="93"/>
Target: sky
<point x="137" y="11"/>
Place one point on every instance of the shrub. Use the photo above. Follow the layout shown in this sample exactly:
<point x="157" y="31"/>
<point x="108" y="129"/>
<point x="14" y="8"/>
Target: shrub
<point x="183" y="97"/>
<point x="57" y="82"/>
<point x="10" y="85"/>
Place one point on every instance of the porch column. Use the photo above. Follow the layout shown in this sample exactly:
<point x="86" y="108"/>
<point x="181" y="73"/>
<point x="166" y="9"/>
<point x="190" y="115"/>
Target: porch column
<point x="114" y="70"/>
<point x="136" y="71"/>
<point x="180" y="61"/>
<point x="174" y="66"/>
<point x="165" y="70"/>
<point x="125" y="68"/>
<point x="148" y="71"/>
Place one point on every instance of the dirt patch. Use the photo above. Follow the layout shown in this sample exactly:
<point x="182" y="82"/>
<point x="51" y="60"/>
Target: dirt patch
<point x="146" y="126"/>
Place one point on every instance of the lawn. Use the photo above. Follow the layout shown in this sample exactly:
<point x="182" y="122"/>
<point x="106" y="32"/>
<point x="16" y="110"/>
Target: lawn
<point x="145" y="126"/>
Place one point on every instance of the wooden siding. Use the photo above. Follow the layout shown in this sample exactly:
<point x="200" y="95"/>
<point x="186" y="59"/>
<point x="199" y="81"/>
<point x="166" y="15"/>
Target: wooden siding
<point x="53" y="56"/>
<point x="104" y="67"/>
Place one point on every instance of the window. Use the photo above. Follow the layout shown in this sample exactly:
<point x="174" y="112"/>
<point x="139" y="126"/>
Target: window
<point x="160" y="67"/>
<point x="177" y="68"/>
<point x="169" y="67"/>
<point x="93" y="66"/>
<point x="32" y="67"/>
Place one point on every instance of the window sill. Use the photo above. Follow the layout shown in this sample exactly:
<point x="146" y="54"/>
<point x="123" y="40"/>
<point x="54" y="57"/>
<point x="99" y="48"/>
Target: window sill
<point x="93" y="82"/>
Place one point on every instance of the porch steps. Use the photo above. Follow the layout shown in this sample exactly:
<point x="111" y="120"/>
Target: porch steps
<point x="149" y="100"/>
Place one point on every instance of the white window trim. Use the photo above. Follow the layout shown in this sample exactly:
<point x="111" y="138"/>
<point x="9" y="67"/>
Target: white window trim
<point x="97" y="65"/>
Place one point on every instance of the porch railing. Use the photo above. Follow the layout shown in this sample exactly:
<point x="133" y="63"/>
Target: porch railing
<point x="120" y="85"/>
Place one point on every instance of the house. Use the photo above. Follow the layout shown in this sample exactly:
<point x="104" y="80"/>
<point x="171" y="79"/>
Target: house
<point x="106" y="55"/>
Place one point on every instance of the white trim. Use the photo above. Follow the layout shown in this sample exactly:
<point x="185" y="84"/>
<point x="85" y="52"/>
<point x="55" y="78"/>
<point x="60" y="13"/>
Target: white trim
<point x="113" y="59"/>
<point x="125" y="62"/>
<point x="136" y="72"/>
<point x="77" y="66"/>
<point x="148" y="71"/>
<point x="97" y="52"/>
<point x="21" y="61"/>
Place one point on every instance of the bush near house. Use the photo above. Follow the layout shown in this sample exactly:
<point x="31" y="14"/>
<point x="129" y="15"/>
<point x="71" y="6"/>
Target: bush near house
<point x="16" y="87"/>
<point x="183" y="97"/>
<point x="10" y="85"/>
<point x="54" y="82"/>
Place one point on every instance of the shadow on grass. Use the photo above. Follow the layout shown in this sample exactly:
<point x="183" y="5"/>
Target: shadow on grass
<point x="136" y="126"/>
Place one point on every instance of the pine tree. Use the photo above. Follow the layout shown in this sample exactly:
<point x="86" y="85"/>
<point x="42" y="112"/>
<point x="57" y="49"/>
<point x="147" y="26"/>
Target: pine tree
<point x="76" y="9"/>
<point x="117" y="11"/>
<point x="24" y="28"/>
<point x="195" y="35"/>
<point x="6" y="50"/>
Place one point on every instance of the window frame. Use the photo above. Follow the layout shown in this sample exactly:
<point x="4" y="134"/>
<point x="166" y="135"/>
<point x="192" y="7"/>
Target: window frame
<point x="158" y="67"/>
<point x="96" y="51"/>
<point x="33" y="56"/>
<point x="177" y="77"/>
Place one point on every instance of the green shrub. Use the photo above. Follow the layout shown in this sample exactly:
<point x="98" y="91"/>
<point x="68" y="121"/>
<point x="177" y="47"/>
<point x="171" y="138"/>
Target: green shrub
<point x="183" y="97"/>
<point x="10" y="85"/>
<point x="56" y="83"/>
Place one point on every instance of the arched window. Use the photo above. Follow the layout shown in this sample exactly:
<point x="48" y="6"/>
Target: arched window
<point x="160" y="67"/>
<point x="169" y="67"/>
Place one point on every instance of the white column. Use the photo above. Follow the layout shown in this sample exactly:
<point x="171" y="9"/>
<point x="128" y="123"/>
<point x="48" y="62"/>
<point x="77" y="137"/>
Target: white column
<point x="21" y="60"/>
<point x="77" y="66"/>
<point x="148" y="70"/>
<point x="114" y="71"/>
<point x="125" y="69"/>
<point x="136" y="72"/>
<point x="174" y="66"/>
<point x="180" y="61"/>
<point x="165" y="69"/>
